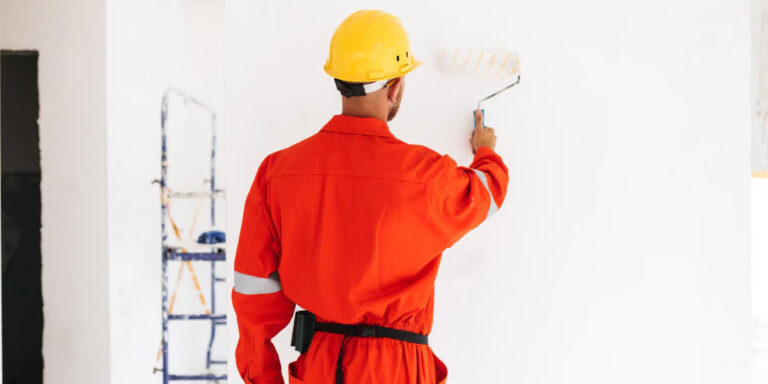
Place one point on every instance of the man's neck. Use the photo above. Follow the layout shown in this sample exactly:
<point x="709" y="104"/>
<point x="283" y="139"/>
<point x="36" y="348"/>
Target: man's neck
<point x="359" y="109"/>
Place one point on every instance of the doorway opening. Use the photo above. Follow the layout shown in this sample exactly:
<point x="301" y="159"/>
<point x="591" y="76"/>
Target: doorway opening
<point x="22" y="301"/>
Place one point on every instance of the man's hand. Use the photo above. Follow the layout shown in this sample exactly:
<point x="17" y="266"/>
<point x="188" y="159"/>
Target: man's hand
<point x="482" y="136"/>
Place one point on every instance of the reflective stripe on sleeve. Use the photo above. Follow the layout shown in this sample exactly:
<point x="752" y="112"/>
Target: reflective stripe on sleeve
<point x="493" y="207"/>
<point x="252" y="285"/>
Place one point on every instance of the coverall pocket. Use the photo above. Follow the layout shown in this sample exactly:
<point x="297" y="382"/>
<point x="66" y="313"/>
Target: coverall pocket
<point x="291" y="378"/>
<point x="441" y="371"/>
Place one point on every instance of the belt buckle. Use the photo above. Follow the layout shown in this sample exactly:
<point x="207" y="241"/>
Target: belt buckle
<point x="366" y="331"/>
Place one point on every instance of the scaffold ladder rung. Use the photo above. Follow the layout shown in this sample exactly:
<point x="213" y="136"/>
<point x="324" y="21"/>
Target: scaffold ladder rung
<point x="196" y="256"/>
<point x="196" y="195"/>
<point x="198" y="317"/>
<point x="208" y="377"/>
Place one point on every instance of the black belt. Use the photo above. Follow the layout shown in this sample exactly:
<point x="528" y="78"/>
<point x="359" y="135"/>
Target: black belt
<point x="305" y="325"/>
<point x="362" y="330"/>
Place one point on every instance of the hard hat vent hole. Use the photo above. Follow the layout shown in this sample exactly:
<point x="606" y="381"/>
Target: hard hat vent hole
<point x="406" y="53"/>
<point x="398" y="57"/>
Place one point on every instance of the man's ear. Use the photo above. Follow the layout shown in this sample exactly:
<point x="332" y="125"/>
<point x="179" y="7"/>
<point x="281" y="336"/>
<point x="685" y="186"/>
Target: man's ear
<point x="393" y="89"/>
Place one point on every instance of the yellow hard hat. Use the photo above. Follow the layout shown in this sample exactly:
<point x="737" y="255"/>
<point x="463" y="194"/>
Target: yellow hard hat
<point x="370" y="46"/>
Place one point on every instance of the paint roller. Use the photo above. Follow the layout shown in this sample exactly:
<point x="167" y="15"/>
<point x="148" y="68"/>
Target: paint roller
<point x="500" y="64"/>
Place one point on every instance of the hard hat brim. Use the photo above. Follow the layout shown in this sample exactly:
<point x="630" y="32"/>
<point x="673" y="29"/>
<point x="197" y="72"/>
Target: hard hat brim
<point x="407" y="69"/>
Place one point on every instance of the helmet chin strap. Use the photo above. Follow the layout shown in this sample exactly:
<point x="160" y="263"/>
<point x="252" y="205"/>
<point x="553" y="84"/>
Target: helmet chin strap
<point x="375" y="86"/>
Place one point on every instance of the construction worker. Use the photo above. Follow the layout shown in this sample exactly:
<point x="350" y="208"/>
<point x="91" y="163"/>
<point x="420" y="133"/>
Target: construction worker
<point x="350" y="224"/>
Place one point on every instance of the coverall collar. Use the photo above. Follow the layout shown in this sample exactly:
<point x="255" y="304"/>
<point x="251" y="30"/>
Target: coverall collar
<point x="357" y="125"/>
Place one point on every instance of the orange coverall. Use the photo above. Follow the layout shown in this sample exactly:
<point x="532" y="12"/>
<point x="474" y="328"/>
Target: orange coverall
<point x="350" y="224"/>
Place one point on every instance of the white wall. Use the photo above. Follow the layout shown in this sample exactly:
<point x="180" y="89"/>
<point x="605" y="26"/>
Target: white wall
<point x="759" y="287"/>
<point x="759" y="198"/>
<point x="621" y="254"/>
<point x="141" y="37"/>
<point x="70" y="37"/>
<point x="152" y="45"/>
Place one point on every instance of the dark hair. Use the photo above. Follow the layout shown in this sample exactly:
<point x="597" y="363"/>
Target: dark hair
<point x="349" y="89"/>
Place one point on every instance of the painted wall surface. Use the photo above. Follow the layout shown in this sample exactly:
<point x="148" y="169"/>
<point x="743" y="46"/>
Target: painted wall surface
<point x="71" y="39"/>
<point x="622" y="251"/>
<point x="759" y="198"/>
<point x="141" y="53"/>
<point x="154" y="45"/>
<point x="759" y="266"/>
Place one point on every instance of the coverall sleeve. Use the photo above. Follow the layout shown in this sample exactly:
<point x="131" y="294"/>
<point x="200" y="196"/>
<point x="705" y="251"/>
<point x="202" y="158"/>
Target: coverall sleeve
<point x="463" y="197"/>
<point x="261" y="307"/>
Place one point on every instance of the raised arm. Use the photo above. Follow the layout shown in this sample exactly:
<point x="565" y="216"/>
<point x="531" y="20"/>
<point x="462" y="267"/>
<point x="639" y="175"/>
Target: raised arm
<point x="463" y="197"/>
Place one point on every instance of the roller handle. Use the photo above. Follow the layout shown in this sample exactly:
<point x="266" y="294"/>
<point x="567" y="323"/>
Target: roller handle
<point x="474" y="118"/>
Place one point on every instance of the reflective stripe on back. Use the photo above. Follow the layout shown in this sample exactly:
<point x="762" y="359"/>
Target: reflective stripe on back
<point x="252" y="285"/>
<point x="493" y="207"/>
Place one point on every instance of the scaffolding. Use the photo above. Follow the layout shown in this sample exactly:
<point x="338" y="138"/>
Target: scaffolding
<point x="209" y="247"/>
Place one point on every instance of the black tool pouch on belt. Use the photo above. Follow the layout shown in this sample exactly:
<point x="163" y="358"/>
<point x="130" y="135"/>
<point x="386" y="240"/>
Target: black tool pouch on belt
<point x="304" y="326"/>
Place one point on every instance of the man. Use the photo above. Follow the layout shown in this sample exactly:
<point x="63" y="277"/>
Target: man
<point x="350" y="224"/>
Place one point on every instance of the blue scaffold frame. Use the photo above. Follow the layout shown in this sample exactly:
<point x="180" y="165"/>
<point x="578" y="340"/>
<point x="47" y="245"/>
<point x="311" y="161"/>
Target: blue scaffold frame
<point x="214" y="253"/>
